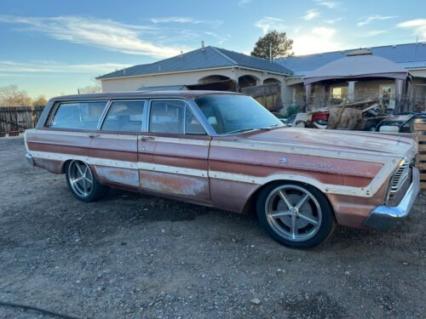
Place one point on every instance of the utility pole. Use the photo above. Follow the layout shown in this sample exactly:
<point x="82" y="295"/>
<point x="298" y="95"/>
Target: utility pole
<point x="270" y="51"/>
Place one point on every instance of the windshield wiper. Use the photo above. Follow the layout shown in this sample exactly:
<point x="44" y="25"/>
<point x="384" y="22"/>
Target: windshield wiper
<point x="270" y="127"/>
<point x="266" y="128"/>
<point x="243" y="130"/>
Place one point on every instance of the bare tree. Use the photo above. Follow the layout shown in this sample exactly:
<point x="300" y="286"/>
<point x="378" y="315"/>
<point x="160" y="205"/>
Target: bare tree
<point x="12" y="96"/>
<point x="90" y="89"/>
<point x="40" y="101"/>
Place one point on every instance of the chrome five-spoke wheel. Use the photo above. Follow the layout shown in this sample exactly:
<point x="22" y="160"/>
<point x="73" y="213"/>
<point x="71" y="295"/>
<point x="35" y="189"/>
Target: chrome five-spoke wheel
<point x="82" y="181"/>
<point x="293" y="212"/>
<point x="80" y="178"/>
<point x="295" y="215"/>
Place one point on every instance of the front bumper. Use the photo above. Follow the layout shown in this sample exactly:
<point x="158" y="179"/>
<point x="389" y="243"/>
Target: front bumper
<point x="30" y="159"/>
<point x="384" y="217"/>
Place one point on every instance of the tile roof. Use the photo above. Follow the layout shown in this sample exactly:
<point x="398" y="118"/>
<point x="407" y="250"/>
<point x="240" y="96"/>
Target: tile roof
<point x="204" y="58"/>
<point x="409" y="56"/>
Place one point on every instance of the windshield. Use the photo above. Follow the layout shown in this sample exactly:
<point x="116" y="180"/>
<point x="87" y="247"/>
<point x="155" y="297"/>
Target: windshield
<point x="236" y="113"/>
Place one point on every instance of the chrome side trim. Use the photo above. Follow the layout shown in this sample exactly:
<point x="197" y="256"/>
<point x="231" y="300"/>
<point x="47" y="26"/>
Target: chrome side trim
<point x="383" y="217"/>
<point x="326" y="188"/>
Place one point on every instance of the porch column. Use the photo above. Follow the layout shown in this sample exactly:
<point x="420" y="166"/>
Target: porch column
<point x="351" y="90"/>
<point x="399" y="88"/>
<point x="308" y="89"/>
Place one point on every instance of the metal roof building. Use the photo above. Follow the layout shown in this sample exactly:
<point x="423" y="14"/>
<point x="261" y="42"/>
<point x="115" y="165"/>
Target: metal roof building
<point x="409" y="56"/>
<point x="201" y="59"/>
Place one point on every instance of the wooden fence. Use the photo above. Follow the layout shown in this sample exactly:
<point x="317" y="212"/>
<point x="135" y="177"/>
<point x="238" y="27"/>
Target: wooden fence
<point x="16" y="119"/>
<point x="269" y="95"/>
<point x="420" y="129"/>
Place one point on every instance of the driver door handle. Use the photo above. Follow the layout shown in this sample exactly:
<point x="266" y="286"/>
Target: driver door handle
<point x="147" y="138"/>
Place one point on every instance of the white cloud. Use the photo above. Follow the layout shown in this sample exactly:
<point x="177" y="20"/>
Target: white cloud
<point x="102" y="33"/>
<point x="327" y="3"/>
<point x="333" y="21"/>
<point x="185" y="20"/>
<point x="373" y="33"/>
<point x="318" y="39"/>
<point x="13" y="67"/>
<point x="267" y="24"/>
<point x="220" y="38"/>
<point x="418" y="26"/>
<point x="370" y="19"/>
<point x="311" y="14"/>
<point x="243" y="3"/>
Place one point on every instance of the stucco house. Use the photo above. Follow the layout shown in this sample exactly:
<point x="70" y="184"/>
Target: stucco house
<point x="395" y="73"/>
<point x="207" y="67"/>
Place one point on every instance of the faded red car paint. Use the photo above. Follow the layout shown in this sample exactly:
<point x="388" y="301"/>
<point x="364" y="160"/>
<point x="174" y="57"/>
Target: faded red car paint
<point x="353" y="169"/>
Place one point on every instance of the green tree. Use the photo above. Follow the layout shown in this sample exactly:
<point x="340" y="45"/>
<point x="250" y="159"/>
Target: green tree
<point x="274" y="44"/>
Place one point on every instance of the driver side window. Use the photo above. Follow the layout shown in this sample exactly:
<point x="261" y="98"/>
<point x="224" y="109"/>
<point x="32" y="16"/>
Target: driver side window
<point x="166" y="117"/>
<point x="173" y="117"/>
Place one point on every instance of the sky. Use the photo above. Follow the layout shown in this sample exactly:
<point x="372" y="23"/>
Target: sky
<point x="52" y="47"/>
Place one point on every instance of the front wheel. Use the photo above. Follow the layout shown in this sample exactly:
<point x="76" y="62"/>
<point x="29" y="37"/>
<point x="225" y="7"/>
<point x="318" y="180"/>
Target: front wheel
<point x="295" y="215"/>
<point x="82" y="182"/>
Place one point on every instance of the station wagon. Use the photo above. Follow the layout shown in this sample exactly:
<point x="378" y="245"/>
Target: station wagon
<point x="225" y="150"/>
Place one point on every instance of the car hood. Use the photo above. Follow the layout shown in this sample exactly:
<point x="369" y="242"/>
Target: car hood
<point x="338" y="141"/>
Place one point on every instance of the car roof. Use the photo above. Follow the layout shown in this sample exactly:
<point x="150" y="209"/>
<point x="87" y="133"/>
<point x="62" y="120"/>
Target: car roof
<point x="187" y="94"/>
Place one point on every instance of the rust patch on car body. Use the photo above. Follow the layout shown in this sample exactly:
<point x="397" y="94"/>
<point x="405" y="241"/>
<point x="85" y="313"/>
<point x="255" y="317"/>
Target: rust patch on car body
<point x="193" y="187"/>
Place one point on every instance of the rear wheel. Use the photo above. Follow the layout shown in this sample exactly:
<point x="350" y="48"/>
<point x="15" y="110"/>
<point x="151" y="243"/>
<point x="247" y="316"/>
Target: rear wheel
<point x="296" y="215"/>
<point x="82" y="182"/>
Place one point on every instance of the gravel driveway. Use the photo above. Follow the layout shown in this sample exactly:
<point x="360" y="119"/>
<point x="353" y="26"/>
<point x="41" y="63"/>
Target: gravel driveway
<point x="137" y="256"/>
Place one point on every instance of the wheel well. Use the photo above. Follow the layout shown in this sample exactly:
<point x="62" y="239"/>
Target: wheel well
<point x="250" y="206"/>
<point x="65" y="165"/>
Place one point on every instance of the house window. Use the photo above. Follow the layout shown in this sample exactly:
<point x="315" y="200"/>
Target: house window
<point x="339" y="92"/>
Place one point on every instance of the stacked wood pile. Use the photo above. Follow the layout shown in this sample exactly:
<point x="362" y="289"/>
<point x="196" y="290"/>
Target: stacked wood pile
<point x="16" y="119"/>
<point x="420" y="130"/>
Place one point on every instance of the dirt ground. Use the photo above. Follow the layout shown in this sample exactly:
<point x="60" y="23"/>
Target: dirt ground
<point x="136" y="256"/>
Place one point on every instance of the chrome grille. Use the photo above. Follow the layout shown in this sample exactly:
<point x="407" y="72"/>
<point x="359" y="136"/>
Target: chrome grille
<point x="400" y="176"/>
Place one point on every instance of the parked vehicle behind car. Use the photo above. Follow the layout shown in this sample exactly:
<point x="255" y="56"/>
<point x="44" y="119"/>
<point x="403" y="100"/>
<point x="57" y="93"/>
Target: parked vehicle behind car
<point x="286" y="120"/>
<point x="227" y="151"/>
<point x="402" y="123"/>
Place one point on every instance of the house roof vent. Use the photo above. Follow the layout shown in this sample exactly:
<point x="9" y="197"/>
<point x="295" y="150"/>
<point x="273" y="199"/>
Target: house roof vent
<point x="359" y="52"/>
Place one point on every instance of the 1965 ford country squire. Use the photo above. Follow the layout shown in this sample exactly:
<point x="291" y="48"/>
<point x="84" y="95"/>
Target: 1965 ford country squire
<point x="225" y="150"/>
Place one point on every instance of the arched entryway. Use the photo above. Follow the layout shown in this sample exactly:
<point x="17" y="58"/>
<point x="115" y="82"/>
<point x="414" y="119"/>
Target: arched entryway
<point x="271" y="81"/>
<point x="213" y="79"/>
<point x="215" y="82"/>
<point x="247" y="80"/>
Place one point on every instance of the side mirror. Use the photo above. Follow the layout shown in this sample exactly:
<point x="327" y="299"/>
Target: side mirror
<point x="389" y="128"/>
<point x="212" y="121"/>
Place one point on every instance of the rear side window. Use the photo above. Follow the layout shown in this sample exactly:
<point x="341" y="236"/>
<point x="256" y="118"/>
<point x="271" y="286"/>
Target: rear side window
<point x="167" y="117"/>
<point x="77" y="115"/>
<point x="124" y="116"/>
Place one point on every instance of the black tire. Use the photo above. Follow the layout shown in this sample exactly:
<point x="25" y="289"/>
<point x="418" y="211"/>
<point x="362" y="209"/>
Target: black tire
<point x="323" y="228"/>
<point x="96" y="190"/>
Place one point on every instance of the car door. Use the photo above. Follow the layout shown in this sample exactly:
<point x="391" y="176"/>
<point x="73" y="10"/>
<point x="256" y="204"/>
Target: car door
<point x="173" y="154"/>
<point x="115" y="145"/>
